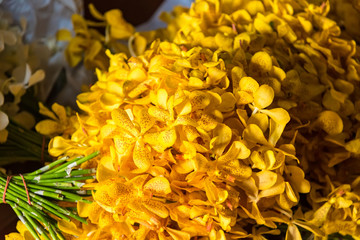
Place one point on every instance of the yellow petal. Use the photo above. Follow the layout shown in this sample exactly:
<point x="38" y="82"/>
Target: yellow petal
<point x="254" y="134"/>
<point x="269" y="159"/>
<point x="320" y="215"/>
<point x="260" y="119"/>
<point x="177" y="234"/>
<point x="257" y="160"/>
<point x="265" y="179"/>
<point x="279" y="115"/>
<point x="161" y="140"/>
<point x="260" y="62"/>
<point x="48" y="127"/>
<point x="330" y="122"/>
<point x="227" y="102"/>
<point x="290" y="192"/>
<point x="215" y="195"/>
<point x="159" y="114"/>
<point x="293" y="233"/>
<point x="310" y="227"/>
<point x="120" y="29"/>
<point x="353" y="146"/>
<point x="237" y="169"/>
<point x="157" y="207"/>
<point x="124" y="144"/>
<point x="296" y="177"/>
<point x="278" y="188"/>
<point x="158" y="185"/>
<point x="199" y="100"/>
<point x="122" y="119"/>
<point x="142" y="157"/>
<point x="222" y="138"/>
<point x="248" y="84"/>
<point x="3" y="135"/>
<point x="263" y="96"/>
<point x="237" y="150"/>
<point x="105" y="169"/>
<point x="46" y="112"/>
<point x="69" y="227"/>
<point x="110" y="101"/>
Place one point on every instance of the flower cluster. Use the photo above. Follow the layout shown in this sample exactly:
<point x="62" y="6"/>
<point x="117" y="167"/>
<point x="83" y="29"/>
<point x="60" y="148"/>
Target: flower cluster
<point x="185" y="150"/>
<point x="222" y="125"/>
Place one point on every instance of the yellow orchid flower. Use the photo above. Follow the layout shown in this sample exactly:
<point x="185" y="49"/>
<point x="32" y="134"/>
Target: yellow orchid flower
<point x="61" y="123"/>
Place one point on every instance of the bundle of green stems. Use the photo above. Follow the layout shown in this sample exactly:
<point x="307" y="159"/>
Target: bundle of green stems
<point x="34" y="196"/>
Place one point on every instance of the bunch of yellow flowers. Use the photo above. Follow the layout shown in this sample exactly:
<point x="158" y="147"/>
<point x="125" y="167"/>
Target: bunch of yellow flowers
<point x="219" y="127"/>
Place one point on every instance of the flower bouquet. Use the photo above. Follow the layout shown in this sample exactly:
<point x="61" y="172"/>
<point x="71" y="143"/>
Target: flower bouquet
<point x="240" y="119"/>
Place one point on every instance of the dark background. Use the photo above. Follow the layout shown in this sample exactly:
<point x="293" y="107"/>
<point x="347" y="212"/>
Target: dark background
<point x="135" y="12"/>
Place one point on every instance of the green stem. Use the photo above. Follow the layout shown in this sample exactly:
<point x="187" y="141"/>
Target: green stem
<point x="73" y="163"/>
<point x="47" y="167"/>
<point x="24" y="221"/>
